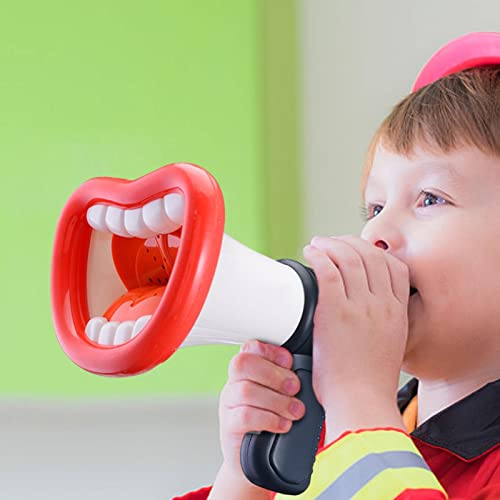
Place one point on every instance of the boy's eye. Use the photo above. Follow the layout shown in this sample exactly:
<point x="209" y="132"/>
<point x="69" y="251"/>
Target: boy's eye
<point x="432" y="196"/>
<point x="368" y="212"/>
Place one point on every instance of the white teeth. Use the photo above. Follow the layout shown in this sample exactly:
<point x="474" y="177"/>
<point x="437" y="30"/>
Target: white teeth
<point x="174" y="206"/>
<point x="124" y="332"/>
<point x="96" y="217"/>
<point x="105" y="332"/>
<point x="161" y="216"/>
<point x="139" y="325"/>
<point x="115" y="220"/>
<point x="135" y="225"/>
<point x="94" y="327"/>
<point x="156" y="218"/>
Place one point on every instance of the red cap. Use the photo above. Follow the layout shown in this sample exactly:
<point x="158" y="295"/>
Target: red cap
<point x="467" y="51"/>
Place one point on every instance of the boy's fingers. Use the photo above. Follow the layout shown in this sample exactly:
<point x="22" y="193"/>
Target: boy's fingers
<point x="345" y="262"/>
<point x="277" y="354"/>
<point x="400" y="278"/>
<point x="243" y="419"/>
<point x="373" y="267"/>
<point x="246" y="393"/>
<point x="327" y="273"/>
<point x="255" y="368"/>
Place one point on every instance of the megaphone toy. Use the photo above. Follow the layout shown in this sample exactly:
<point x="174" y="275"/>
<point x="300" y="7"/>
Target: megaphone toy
<point x="143" y="267"/>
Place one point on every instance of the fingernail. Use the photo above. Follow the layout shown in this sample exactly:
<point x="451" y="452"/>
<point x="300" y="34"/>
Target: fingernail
<point x="284" y="424"/>
<point x="247" y="346"/>
<point x="284" y="360"/>
<point x="290" y="386"/>
<point x="309" y="249"/>
<point x="296" y="408"/>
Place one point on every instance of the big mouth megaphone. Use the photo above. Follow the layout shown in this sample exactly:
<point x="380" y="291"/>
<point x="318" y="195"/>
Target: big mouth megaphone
<point x="143" y="267"/>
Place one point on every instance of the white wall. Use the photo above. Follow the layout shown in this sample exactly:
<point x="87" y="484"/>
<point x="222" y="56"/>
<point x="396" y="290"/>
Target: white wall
<point x="359" y="58"/>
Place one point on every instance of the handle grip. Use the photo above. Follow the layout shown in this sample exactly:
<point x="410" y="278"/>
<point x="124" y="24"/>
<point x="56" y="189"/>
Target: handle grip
<point x="283" y="462"/>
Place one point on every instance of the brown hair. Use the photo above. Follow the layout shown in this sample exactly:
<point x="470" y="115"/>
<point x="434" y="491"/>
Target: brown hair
<point x="458" y="110"/>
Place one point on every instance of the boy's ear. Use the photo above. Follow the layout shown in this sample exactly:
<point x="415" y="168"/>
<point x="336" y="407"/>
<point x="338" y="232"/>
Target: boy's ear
<point x="467" y="51"/>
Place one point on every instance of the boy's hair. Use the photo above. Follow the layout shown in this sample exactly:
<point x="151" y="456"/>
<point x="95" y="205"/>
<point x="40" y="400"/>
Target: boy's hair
<point x="458" y="110"/>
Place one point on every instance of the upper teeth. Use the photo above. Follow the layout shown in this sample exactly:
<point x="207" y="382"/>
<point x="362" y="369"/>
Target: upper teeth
<point x="105" y="332"/>
<point x="163" y="215"/>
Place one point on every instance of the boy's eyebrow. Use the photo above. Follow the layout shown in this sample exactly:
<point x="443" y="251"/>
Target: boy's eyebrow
<point x="442" y="169"/>
<point x="431" y="168"/>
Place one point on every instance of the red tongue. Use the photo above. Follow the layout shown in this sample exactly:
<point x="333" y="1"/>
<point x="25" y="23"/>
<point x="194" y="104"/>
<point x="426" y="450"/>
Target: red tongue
<point x="141" y="301"/>
<point x="144" y="267"/>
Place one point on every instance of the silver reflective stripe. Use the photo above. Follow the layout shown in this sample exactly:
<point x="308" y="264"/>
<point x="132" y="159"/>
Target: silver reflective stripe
<point x="364" y="470"/>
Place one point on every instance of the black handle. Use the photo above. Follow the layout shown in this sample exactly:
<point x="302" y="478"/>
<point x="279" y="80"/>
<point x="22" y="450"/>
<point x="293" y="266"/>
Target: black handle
<point x="284" y="462"/>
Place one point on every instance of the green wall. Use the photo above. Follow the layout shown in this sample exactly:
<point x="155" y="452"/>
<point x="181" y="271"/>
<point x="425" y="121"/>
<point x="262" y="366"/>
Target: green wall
<point x="119" y="89"/>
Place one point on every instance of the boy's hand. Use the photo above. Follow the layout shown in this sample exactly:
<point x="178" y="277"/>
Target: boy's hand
<point x="258" y="396"/>
<point x="360" y="333"/>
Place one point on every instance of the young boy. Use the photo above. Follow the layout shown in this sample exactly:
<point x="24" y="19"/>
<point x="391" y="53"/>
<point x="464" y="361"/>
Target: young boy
<point x="431" y="195"/>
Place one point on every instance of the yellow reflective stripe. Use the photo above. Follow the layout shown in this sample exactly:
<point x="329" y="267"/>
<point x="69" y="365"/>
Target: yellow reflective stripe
<point x="334" y="461"/>
<point x="392" y="482"/>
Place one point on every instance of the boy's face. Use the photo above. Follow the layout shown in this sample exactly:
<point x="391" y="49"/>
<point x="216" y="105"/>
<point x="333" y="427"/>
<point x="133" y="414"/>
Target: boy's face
<point x="451" y="245"/>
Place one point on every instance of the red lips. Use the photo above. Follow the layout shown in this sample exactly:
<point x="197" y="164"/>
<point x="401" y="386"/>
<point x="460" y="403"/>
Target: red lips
<point x="169" y="282"/>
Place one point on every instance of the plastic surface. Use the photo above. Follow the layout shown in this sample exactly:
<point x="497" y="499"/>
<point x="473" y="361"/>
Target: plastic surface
<point x="188" y="284"/>
<point x="284" y="462"/>
<point x="467" y="51"/>
<point x="251" y="297"/>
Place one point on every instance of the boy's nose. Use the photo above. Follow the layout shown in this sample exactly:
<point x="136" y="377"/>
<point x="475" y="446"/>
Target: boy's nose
<point x="381" y="244"/>
<point x="384" y="235"/>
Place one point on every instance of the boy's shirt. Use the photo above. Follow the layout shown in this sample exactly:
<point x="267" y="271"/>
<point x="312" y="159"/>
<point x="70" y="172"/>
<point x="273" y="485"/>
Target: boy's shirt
<point x="455" y="454"/>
